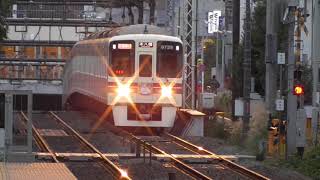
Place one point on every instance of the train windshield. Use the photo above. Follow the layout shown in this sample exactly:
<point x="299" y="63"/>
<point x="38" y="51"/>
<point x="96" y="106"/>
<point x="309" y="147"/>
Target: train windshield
<point x="169" y="59"/>
<point x="145" y="65"/>
<point x="122" y="58"/>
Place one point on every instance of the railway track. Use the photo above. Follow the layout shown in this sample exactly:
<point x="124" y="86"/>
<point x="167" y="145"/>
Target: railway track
<point x="174" y="161"/>
<point x="225" y="162"/>
<point x="171" y="144"/>
<point x="191" y="148"/>
<point x="154" y="148"/>
<point x="178" y="164"/>
<point x="40" y="141"/>
<point x="109" y="166"/>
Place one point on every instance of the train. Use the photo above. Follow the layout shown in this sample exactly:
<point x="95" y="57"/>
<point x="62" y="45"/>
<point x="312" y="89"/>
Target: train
<point x="132" y="75"/>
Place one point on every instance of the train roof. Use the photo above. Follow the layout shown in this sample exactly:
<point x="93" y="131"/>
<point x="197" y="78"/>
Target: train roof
<point x="132" y="29"/>
<point x="146" y="37"/>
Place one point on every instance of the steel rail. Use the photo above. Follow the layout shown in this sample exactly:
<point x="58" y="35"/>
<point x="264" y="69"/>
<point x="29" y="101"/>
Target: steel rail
<point x="60" y="22"/>
<point x="233" y="166"/>
<point x="177" y="163"/>
<point x="37" y="43"/>
<point x="41" y="142"/>
<point x="32" y="60"/>
<point x="30" y="79"/>
<point x="27" y="64"/>
<point x="107" y="3"/>
<point x="109" y="165"/>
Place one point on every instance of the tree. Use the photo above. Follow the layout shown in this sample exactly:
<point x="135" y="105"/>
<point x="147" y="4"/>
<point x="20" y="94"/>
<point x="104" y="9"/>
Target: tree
<point x="258" y="31"/>
<point x="4" y="10"/>
<point x="258" y="43"/>
<point x="3" y="29"/>
<point x="209" y="57"/>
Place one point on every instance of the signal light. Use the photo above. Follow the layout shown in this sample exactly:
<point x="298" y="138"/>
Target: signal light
<point x="298" y="90"/>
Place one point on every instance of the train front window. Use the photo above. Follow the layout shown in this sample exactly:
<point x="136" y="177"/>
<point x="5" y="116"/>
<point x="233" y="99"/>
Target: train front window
<point x="122" y="58"/>
<point x="169" y="59"/>
<point x="145" y="65"/>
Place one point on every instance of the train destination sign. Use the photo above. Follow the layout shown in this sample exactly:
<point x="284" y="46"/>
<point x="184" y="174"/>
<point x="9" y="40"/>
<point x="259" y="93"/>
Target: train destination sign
<point x="145" y="44"/>
<point x="124" y="46"/>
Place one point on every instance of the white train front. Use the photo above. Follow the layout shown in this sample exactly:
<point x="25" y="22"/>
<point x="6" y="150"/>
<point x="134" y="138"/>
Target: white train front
<point x="138" y="77"/>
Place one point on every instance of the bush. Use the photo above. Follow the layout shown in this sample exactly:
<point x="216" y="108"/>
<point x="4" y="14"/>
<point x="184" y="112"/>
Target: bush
<point x="309" y="165"/>
<point x="258" y="128"/>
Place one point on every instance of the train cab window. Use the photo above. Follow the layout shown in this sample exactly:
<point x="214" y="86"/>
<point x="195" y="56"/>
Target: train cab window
<point x="169" y="59"/>
<point x="122" y="58"/>
<point x="145" y="65"/>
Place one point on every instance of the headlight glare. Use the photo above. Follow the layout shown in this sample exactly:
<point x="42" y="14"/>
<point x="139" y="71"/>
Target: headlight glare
<point x="166" y="91"/>
<point x="123" y="91"/>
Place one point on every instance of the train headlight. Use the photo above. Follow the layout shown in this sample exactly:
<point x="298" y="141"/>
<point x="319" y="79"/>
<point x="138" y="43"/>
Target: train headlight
<point x="166" y="91"/>
<point x="123" y="91"/>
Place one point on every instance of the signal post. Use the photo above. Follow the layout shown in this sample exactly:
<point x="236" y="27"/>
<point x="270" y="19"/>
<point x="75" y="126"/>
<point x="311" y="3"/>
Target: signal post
<point x="296" y="114"/>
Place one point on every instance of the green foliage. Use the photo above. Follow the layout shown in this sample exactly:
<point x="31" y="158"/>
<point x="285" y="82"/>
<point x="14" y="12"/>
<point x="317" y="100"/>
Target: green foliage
<point x="258" y="31"/>
<point x="309" y="165"/>
<point x="306" y="79"/>
<point x="223" y="101"/>
<point x="237" y="72"/>
<point x="258" y="43"/>
<point x="4" y="10"/>
<point x="209" y="59"/>
<point x="215" y="129"/>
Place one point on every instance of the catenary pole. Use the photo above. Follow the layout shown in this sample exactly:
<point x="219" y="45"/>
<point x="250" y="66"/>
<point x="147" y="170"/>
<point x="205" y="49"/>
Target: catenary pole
<point x="247" y="70"/>
<point x="315" y="65"/>
<point x="270" y="55"/>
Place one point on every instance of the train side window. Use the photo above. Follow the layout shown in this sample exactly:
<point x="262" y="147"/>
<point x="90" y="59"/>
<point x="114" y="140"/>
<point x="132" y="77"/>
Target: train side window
<point x="145" y="65"/>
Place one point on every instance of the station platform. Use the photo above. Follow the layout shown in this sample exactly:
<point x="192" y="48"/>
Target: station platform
<point x="34" y="171"/>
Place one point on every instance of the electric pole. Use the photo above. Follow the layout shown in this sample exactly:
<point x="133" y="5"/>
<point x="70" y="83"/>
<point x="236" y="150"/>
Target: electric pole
<point x="291" y="98"/>
<point x="315" y="65"/>
<point x="247" y="70"/>
<point x="272" y="21"/>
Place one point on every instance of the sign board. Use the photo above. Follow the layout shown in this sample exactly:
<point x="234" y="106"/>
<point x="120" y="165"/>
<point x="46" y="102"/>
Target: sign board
<point x="213" y="71"/>
<point x="213" y="21"/>
<point x="281" y="58"/>
<point x="301" y="128"/>
<point x="238" y="107"/>
<point x="207" y="100"/>
<point x="280" y="105"/>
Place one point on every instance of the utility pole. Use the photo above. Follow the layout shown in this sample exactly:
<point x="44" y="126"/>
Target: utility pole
<point x="272" y="21"/>
<point x="247" y="70"/>
<point x="235" y="43"/>
<point x="315" y="66"/>
<point x="291" y="98"/>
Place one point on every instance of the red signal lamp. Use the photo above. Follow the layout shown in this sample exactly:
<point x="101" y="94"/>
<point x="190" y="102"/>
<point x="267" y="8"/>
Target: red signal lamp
<point x="298" y="90"/>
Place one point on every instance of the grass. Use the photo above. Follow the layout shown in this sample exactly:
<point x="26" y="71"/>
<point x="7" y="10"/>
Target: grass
<point x="309" y="165"/>
<point x="214" y="129"/>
